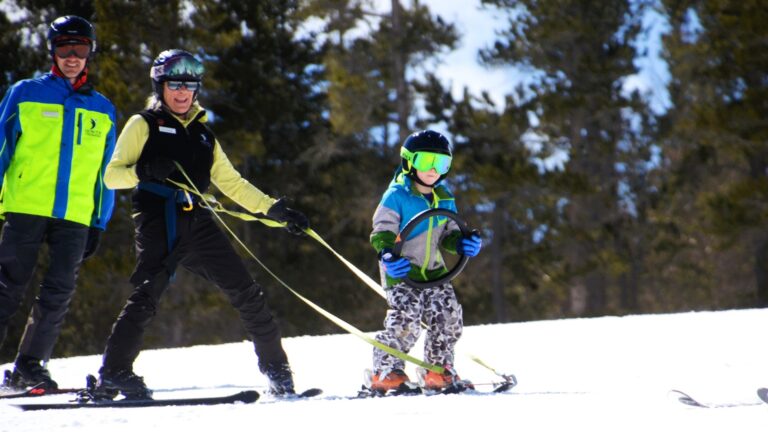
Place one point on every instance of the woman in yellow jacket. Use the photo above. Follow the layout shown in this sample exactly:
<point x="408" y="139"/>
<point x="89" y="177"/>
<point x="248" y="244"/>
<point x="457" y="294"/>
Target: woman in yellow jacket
<point x="172" y="230"/>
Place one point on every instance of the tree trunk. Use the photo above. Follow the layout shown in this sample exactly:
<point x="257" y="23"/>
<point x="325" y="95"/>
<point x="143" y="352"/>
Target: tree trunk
<point x="398" y="73"/>
<point x="761" y="271"/>
<point x="497" y="260"/>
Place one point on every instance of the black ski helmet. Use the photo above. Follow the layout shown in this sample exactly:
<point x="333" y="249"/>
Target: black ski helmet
<point x="423" y="141"/>
<point x="175" y="65"/>
<point x="71" y="28"/>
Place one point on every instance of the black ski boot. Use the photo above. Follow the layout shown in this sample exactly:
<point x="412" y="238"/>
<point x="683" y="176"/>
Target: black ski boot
<point x="123" y="381"/>
<point x="280" y="379"/>
<point x="28" y="372"/>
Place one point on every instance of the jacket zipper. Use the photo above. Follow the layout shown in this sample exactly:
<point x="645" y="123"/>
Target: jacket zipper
<point x="428" y="253"/>
<point x="79" y="128"/>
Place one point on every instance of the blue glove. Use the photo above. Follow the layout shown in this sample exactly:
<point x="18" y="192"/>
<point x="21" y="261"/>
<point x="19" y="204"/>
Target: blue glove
<point x="470" y="246"/>
<point x="396" y="267"/>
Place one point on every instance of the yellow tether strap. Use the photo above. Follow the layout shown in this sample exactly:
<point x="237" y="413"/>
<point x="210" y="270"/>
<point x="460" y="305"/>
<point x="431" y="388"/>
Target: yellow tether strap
<point x="206" y="199"/>
<point x="215" y="207"/>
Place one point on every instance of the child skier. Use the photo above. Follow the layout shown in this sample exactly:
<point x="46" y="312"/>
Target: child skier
<point x="426" y="160"/>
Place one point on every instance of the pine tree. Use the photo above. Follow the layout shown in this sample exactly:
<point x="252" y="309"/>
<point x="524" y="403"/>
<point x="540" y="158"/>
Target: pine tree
<point x="580" y="54"/>
<point x="718" y="148"/>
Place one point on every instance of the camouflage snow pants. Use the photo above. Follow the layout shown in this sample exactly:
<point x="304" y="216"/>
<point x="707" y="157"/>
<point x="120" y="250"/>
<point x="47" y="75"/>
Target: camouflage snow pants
<point x="437" y="307"/>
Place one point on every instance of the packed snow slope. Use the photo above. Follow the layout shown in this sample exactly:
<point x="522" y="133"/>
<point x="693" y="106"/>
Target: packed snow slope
<point x="598" y="374"/>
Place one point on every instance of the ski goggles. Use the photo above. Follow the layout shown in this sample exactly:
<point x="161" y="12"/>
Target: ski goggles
<point x="189" y="85"/>
<point x="80" y="51"/>
<point x="425" y="161"/>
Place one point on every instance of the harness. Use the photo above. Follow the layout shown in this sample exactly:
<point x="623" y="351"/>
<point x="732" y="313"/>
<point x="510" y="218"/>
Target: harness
<point x="172" y="198"/>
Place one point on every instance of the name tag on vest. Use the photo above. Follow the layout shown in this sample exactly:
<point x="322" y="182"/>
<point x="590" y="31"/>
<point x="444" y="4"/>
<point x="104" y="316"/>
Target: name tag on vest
<point x="166" y="129"/>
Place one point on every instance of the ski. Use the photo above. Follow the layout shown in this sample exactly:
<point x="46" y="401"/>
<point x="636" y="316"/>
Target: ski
<point x="248" y="396"/>
<point x="306" y="394"/>
<point x="461" y="386"/>
<point x="405" y="389"/>
<point x="38" y="390"/>
<point x="8" y="391"/>
<point x="470" y="388"/>
<point x="687" y="399"/>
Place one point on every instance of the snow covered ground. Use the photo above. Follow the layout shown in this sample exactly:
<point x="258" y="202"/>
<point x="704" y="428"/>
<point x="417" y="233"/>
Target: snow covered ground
<point x="601" y="374"/>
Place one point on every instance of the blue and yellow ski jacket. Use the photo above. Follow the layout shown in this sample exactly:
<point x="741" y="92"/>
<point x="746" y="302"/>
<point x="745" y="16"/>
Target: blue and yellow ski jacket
<point x="399" y="204"/>
<point x="55" y="146"/>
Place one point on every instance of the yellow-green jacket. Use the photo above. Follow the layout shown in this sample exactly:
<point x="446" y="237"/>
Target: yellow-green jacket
<point x="56" y="143"/>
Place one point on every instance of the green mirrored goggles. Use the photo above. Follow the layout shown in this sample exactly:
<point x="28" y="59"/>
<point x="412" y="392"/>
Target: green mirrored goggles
<point x="425" y="161"/>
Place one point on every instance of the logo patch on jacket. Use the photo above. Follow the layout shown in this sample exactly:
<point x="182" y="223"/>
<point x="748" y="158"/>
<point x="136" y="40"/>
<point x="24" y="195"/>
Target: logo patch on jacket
<point x="92" y="131"/>
<point x="166" y="129"/>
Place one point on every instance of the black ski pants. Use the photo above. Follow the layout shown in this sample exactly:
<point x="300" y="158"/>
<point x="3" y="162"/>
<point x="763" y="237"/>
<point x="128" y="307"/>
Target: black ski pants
<point x="22" y="237"/>
<point x="202" y="248"/>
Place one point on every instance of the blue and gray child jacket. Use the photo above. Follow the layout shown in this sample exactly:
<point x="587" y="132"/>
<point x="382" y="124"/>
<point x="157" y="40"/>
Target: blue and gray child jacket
<point x="399" y="204"/>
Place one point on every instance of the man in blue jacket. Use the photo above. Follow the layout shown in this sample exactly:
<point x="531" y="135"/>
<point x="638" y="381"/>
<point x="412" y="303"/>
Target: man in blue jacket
<point x="57" y="137"/>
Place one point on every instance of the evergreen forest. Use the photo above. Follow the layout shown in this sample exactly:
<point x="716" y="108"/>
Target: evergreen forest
<point x="650" y="210"/>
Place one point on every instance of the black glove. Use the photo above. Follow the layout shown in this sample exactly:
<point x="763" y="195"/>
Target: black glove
<point x="155" y="169"/>
<point x="91" y="243"/>
<point x="296" y="222"/>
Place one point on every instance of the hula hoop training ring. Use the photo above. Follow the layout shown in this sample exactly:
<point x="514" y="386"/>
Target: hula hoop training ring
<point x="457" y="268"/>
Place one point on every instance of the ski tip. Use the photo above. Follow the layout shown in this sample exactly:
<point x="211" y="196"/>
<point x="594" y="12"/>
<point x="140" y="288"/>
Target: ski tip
<point x="310" y="393"/>
<point x="762" y="393"/>
<point x="686" y="399"/>
<point x="248" y="396"/>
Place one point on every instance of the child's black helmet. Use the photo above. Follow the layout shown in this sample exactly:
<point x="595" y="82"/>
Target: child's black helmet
<point x="427" y="140"/>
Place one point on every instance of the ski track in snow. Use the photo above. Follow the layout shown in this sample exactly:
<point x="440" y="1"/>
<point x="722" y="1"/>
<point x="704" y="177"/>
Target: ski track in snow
<point x="598" y="374"/>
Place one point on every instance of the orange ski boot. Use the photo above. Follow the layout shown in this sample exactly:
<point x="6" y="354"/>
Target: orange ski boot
<point x="449" y="381"/>
<point x="383" y="381"/>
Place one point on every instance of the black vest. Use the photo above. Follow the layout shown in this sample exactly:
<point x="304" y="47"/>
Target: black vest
<point x="192" y="147"/>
